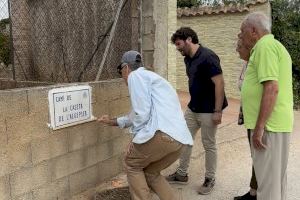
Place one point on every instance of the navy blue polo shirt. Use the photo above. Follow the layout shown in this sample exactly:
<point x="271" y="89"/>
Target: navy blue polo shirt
<point x="204" y="65"/>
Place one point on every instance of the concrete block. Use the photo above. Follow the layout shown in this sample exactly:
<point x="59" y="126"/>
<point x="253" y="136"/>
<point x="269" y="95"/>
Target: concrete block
<point x="83" y="136"/>
<point x="135" y="8"/>
<point x="18" y="155"/>
<point x="4" y="188"/>
<point x="92" y="155"/>
<point x="98" y="91"/>
<point x="58" y="189"/>
<point x="135" y="34"/>
<point x="119" y="107"/>
<point x="148" y="58"/>
<point x="120" y="145"/>
<point x="109" y="132"/>
<point x="4" y="166"/>
<point x="21" y="182"/>
<point x="148" y="42"/>
<point x="18" y="99"/>
<point x="27" y="196"/>
<point x="112" y="89"/>
<point x="83" y="180"/>
<point x="104" y="151"/>
<point x="110" y="167"/>
<point x="38" y="101"/>
<point x="124" y="90"/>
<point x="147" y="8"/>
<point x="99" y="153"/>
<point x="3" y="132"/>
<point x="39" y="112"/>
<point x="45" y="149"/>
<point x="100" y="108"/>
<point x="149" y="27"/>
<point x="25" y="180"/>
<point x="18" y="130"/>
<point x="69" y="163"/>
<point x="108" y="90"/>
<point x="25" y="128"/>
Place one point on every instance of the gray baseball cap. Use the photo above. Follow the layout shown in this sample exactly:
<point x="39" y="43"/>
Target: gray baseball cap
<point x="130" y="57"/>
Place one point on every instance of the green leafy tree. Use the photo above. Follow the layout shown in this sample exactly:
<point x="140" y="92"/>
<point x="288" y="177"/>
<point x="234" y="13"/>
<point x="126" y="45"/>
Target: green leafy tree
<point x="3" y="23"/>
<point x="286" y="28"/>
<point x="187" y="3"/>
<point x="4" y="49"/>
<point x="4" y="43"/>
<point x="191" y="3"/>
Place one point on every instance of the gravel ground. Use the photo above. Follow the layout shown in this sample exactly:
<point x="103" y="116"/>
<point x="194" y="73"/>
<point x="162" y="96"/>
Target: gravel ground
<point x="234" y="164"/>
<point x="114" y="194"/>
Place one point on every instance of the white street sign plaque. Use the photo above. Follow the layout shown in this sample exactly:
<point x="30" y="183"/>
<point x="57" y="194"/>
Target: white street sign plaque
<point x="69" y="106"/>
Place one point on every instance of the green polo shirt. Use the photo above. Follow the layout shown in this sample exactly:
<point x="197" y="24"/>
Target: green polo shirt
<point x="269" y="60"/>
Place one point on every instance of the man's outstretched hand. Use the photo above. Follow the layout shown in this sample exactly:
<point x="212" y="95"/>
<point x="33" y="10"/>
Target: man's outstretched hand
<point x="105" y="119"/>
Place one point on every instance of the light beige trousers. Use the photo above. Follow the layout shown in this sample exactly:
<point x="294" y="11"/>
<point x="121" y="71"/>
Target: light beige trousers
<point x="144" y="162"/>
<point x="270" y="166"/>
<point x="195" y="121"/>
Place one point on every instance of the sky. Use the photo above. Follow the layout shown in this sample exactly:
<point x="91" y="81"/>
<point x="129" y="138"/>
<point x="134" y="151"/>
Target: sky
<point x="3" y="9"/>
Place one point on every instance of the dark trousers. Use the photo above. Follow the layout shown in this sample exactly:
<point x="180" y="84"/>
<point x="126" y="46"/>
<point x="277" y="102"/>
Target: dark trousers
<point x="253" y="183"/>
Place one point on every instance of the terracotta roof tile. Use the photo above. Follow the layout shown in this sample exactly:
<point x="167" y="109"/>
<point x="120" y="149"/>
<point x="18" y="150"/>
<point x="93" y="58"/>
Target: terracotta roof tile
<point x="208" y="10"/>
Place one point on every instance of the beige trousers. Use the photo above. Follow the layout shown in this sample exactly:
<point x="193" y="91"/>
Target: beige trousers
<point x="144" y="162"/>
<point x="270" y="166"/>
<point x="195" y="121"/>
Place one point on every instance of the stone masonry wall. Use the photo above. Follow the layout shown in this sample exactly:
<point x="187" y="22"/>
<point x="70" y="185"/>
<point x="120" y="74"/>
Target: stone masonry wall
<point x="38" y="163"/>
<point x="172" y="27"/>
<point x="159" y="22"/>
<point x="218" y="32"/>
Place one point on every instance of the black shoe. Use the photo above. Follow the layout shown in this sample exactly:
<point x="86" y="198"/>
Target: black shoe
<point x="207" y="187"/>
<point x="246" y="196"/>
<point x="177" y="178"/>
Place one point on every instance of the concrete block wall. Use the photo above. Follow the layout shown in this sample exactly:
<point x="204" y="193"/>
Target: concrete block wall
<point x="6" y="84"/>
<point x="218" y="32"/>
<point x="37" y="163"/>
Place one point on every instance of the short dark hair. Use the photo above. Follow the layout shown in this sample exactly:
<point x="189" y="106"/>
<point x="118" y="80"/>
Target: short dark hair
<point x="183" y="33"/>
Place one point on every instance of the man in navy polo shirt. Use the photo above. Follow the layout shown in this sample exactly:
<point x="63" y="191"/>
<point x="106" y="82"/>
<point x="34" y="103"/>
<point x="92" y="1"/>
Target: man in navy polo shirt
<point x="206" y="87"/>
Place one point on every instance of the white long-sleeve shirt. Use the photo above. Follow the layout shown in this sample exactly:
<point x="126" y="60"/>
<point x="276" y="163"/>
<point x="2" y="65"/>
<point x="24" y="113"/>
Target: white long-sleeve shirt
<point x="155" y="106"/>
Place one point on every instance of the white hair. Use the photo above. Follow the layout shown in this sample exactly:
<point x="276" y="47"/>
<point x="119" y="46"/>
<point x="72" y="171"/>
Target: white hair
<point x="260" y="21"/>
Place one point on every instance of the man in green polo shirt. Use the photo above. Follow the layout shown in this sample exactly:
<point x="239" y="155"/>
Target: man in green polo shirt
<point x="267" y="99"/>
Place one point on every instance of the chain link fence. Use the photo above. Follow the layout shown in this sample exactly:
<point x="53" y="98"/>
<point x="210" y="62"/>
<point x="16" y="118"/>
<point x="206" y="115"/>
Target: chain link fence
<point x="65" y="40"/>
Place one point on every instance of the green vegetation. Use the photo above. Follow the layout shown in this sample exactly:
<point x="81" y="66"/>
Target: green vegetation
<point x="191" y="3"/>
<point x="187" y="3"/>
<point x="3" y="23"/>
<point x="4" y="43"/>
<point x="286" y="28"/>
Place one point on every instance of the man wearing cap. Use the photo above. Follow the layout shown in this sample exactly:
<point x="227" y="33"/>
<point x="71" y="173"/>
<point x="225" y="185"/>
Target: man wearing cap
<point x="158" y="127"/>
